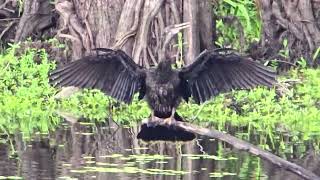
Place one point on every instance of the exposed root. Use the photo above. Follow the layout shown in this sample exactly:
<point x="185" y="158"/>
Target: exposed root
<point x="37" y="16"/>
<point x="294" y="20"/>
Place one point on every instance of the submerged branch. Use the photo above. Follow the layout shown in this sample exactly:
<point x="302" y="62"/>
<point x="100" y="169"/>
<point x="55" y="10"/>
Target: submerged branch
<point x="246" y="146"/>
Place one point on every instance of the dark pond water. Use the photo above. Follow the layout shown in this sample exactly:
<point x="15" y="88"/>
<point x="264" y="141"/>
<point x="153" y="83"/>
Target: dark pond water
<point x="85" y="151"/>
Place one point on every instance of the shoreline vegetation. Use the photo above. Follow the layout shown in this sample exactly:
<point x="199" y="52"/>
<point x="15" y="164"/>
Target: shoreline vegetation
<point x="289" y="112"/>
<point x="283" y="122"/>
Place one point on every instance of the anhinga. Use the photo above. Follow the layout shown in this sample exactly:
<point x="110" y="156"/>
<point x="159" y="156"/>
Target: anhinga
<point x="163" y="87"/>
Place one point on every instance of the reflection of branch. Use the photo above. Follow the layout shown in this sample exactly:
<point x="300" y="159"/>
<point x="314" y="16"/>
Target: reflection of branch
<point x="243" y="145"/>
<point x="110" y="138"/>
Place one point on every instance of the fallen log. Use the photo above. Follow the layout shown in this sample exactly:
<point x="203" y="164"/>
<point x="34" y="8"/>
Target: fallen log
<point x="241" y="145"/>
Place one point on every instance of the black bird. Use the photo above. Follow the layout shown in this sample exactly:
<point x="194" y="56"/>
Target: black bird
<point x="163" y="87"/>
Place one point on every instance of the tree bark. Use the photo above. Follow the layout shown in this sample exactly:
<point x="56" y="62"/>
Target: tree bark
<point x="36" y="17"/>
<point x="138" y="27"/>
<point x="242" y="145"/>
<point x="297" y="21"/>
<point x="191" y="13"/>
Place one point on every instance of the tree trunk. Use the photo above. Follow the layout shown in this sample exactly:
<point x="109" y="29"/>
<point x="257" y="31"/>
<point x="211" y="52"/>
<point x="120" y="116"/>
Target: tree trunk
<point x="138" y="27"/>
<point x="294" y="21"/>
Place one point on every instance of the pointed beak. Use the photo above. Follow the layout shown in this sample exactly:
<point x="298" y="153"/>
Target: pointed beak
<point x="174" y="29"/>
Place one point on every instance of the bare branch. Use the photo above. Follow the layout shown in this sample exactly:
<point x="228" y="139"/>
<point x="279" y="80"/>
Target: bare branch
<point x="241" y="145"/>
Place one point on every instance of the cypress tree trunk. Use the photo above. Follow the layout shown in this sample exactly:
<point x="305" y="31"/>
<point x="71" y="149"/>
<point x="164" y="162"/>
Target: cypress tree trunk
<point x="296" y="22"/>
<point x="138" y="27"/>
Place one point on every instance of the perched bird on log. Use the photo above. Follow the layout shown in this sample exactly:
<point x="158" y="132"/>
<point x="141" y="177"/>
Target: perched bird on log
<point x="117" y="75"/>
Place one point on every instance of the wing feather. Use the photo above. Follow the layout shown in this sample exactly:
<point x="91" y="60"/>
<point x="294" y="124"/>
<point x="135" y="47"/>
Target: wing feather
<point x="215" y="83"/>
<point x="259" y="70"/>
<point x="261" y="78"/>
<point x="129" y="88"/>
<point x="199" y="91"/>
<point x="249" y="77"/>
<point x="67" y="78"/>
<point x="57" y="77"/>
<point x="86" y="78"/>
<point x="116" y="87"/>
<point x="66" y="68"/>
<point x="124" y="88"/>
<point x="213" y="73"/>
<point x="209" y="86"/>
<point x="195" y="93"/>
<point x="245" y="81"/>
<point x="111" y="71"/>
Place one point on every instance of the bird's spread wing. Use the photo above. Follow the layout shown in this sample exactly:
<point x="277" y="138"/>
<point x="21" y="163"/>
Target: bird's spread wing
<point x="213" y="73"/>
<point x="113" y="72"/>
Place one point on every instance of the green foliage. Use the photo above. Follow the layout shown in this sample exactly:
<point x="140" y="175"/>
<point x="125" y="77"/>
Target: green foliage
<point x="20" y="5"/>
<point x="285" y="51"/>
<point x="245" y="11"/>
<point x="91" y="104"/>
<point x="316" y="54"/>
<point x="96" y="106"/>
<point x="27" y="104"/>
<point x="261" y="110"/>
<point x="26" y="101"/>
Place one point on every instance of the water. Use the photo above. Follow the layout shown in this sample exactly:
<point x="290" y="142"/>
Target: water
<point x="85" y="151"/>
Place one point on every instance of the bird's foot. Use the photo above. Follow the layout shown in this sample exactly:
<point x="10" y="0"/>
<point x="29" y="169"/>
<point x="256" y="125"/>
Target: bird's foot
<point x="170" y="121"/>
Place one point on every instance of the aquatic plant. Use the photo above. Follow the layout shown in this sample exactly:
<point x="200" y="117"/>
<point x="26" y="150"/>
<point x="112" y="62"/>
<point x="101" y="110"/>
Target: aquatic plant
<point x="26" y="98"/>
<point x="27" y="104"/>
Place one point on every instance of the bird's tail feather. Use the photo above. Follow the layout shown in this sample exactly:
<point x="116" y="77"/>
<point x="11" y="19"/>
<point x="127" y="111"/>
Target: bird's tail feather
<point x="164" y="133"/>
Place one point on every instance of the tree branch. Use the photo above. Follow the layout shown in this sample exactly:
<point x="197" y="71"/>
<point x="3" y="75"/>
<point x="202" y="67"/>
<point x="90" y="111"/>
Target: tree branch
<point x="243" y="145"/>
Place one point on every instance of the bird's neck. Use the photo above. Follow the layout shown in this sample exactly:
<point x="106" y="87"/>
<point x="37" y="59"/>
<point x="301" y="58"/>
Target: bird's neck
<point x="164" y="72"/>
<point x="164" y="65"/>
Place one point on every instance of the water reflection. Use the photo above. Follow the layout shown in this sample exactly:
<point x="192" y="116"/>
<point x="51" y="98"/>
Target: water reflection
<point x="86" y="151"/>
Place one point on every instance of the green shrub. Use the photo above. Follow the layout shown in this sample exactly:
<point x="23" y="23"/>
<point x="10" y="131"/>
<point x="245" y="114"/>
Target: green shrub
<point x="27" y="104"/>
<point x="246" y="13"/>
<point x="26" y="101"/>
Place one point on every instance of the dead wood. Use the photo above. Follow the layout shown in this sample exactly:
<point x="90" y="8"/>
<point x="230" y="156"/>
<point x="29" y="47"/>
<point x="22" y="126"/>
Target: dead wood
<point x="8" y="21"/>
<point x="242" y="145"/>
<point x="207" y="25"/>
<point x="126" y="31"/>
